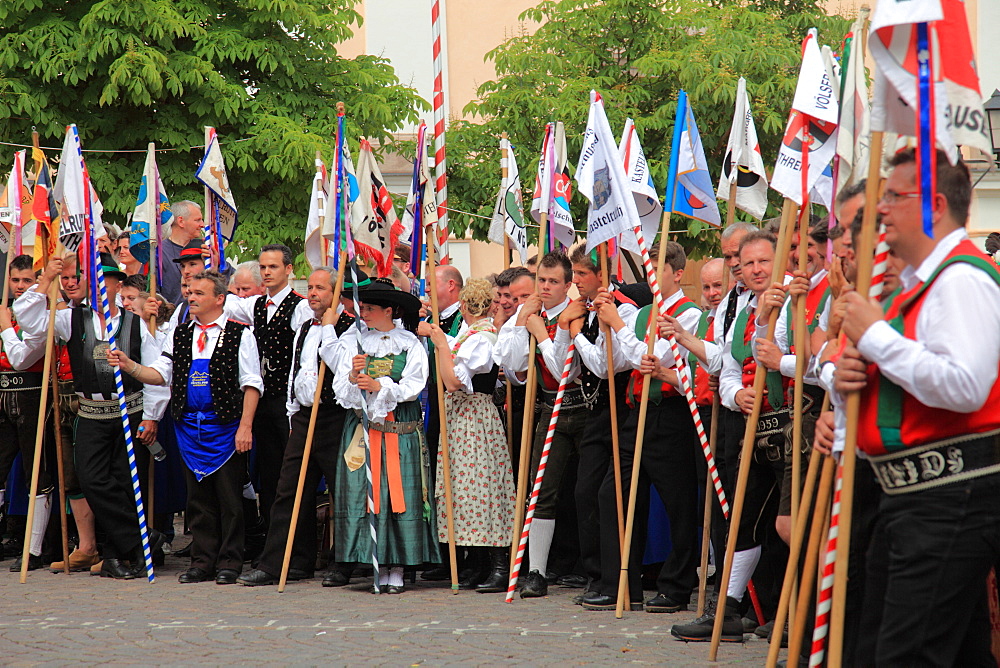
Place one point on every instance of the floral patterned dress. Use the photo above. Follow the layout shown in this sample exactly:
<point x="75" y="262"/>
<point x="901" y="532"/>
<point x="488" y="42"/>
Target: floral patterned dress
<point x="482" y="484"/>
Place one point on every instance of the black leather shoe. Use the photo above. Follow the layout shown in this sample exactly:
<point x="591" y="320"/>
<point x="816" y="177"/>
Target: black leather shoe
<point x="436" y="574"/>
<point x="572" y="580"/>
<point x="118" y="569"/>
<point x="34" y="563"/>
<point x="184" y="552"/>
<point x="226" y="576"/>
<point x="663" y="603"/>
<point x="296" y="574"/>
<point x="394" y="589"/>
<point x="535" y="585"/>
<point x="335" y="578"/>
<point x="257" y="578"/>
<point x="191" y="575"/>
<point x="596" y="602"/>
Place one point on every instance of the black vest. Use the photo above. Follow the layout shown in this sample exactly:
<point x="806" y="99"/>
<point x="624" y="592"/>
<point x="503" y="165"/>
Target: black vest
<point x="593" y="385"/>
<point x="223" y="371"/>
<point x="92" y="376"/>
<point x="327" y="396"/>
<point x="274" y="342"/>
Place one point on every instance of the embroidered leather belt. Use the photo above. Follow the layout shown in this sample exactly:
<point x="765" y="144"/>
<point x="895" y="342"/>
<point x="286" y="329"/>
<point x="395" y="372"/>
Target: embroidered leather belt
<point x="392" y="427"/>
<point x="572" y="398"/>
<point x="109" y="410"/>
<point x="937" y="464"/>
<point x="20" y="380"/>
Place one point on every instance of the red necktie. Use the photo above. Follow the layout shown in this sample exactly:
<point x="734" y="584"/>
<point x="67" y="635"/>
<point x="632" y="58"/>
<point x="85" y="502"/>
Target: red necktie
<point x="203" y="337"/>
<point x="270" y="302"/>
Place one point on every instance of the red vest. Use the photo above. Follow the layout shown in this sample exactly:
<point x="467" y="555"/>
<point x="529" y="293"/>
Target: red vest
<point x="545" y="378"/>
<point x="891" y="419"/>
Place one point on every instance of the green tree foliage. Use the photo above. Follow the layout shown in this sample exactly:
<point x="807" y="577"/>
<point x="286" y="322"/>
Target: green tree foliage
<point x="637" y="54"/>
<point x="265" y="73"/>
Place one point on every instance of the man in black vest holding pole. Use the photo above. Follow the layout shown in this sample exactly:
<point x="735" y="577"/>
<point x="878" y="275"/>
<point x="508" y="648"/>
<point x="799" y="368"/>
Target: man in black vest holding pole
<point x="214" y="395"/>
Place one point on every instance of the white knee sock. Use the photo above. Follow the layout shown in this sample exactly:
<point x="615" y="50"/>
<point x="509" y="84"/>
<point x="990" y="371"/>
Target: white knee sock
<point x="43" y="509"/>
<point x="744" y="563"/>
<point x="539" y="542"/>
<point x="248" y="492"/>
<point x="2" y="492"/>
<point x="383" y="576"/>
<point x="396" y="576"/>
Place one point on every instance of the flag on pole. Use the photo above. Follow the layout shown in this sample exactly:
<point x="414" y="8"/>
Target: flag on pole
<point x="220" y="209"/>
<point x="44" y="211"/>
<point x="693" y="195"/>
<point x="640" y="182"/>
<point x="553" y="189"/>
<point x="13" y="212"/>
<point x="958" y="116"/>
<point x="743" y="162"/>
<point x="853" y="128"/>
<point x="374" y="223"/>
<point x="152" y="211"/>
<point x="317" y="216"/>
<point x="421" y="207"/>
<point x="69" y="192"/>
<point x="601" y="178"/>
<point x="508" y="214"/>
<point x="810" y="138"/>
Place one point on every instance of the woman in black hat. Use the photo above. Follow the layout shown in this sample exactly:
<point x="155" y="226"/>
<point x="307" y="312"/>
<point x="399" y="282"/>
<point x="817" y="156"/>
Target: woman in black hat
<point x="382" y="371"/>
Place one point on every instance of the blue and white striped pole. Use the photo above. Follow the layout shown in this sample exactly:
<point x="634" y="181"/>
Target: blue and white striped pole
<point x="119" y="387"/>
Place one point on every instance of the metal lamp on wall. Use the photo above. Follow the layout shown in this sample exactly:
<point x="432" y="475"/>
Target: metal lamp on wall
<point x="992" y="109"/>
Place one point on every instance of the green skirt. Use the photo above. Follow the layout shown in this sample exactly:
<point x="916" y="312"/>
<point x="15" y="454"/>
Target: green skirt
<point x="404" y="539"/>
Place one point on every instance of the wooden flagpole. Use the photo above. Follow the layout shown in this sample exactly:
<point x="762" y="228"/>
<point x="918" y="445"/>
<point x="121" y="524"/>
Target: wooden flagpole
<point x="310" y="434"/>
<point x="713" y="435"/>
<point x="527" y="431"/>
<point x="865" y="248"/>
<point x="40" y="425"/>
<point x="616" y="461"/>
<point x="443" y="416"/>
<point x="640" y="433"/>
<point x="778" y="271"/>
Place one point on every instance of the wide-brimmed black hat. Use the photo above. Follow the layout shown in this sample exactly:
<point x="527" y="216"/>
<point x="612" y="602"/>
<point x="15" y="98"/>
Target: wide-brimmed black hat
<point x="193" y="251"/>
<point x="355" y="277"/>
<point x="380" y="292"/>
<point x="110" y="267"/>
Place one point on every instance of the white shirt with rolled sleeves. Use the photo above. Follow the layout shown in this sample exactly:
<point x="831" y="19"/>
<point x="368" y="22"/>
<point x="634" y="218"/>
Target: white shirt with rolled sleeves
<point x="634" y="348"/>
<point x="731" y="376"/>
<point x="594" y="355"/>
<point x="781" y="340"/>
<point x="249" y="361"/>
<point x="32" y="313"/>
<point x="953" y="362"/>
<point x="22" y="352"/>
<point x="511" y="351"/>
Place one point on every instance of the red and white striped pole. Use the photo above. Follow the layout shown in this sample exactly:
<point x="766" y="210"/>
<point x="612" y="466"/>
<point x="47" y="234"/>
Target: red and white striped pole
<point x="821" y="629"/>
<point x="549" y="434"/>
<point x="440" y="163"/>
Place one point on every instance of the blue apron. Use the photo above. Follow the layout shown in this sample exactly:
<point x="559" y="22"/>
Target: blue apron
<point x="205" y="444"/>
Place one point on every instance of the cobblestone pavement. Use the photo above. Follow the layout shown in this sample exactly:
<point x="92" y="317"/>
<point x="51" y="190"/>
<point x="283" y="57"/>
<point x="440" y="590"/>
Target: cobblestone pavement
<point x="79" y="619"/>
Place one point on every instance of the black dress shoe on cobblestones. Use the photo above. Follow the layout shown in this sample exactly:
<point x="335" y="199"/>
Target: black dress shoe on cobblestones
<point x="226" y="576"/>
<point x="257" y="578"/>
<point x="34" y="563"/>
<point x="335" y="578"/>
<point x="118" y="569"/>
<point x="700" y="630"/>
<point x="663" y="603"/>
<point x="192" y="575"/>
<point x="535" y="586"/>
<point x="572" y="580"/>
<point x="597" y="602"/>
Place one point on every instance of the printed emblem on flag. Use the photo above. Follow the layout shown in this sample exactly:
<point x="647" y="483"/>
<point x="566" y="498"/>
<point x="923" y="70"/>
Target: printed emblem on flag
<point x="602" y="187"/>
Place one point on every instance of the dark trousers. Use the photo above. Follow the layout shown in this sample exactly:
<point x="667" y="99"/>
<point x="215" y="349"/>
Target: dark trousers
<point x="670" y="445"/>
<point x="595" y="461"/>
<point x="215" y="516"/>
<point x="867" y="494"/>
<point x="565" y="442"/>
<point x="707" y="489"/>
<point x="931" y="551"/>
<point x="103" y="470"/>
<point x="18" y="429"/>
<point x="323" y="461"/>
<point x="270" y="430"/>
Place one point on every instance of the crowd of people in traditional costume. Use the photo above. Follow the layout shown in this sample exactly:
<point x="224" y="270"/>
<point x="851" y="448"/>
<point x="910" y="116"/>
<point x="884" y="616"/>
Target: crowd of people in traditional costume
<point x="224" y="384"/>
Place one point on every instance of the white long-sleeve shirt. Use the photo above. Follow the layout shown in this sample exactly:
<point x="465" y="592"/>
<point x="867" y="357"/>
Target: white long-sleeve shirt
<point x="241" y="308"/>
<point x="473" y="357"/>
<point x="513" y="342"/>
<point x="321" y="342"/>
<point x="633" y="348"/>
<point x="32" y="313"/>
<point x="22" y="352"/>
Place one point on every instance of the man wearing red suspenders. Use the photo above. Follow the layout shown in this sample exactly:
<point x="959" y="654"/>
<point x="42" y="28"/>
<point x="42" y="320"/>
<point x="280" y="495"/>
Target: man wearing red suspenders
<point x="927" y="370"/>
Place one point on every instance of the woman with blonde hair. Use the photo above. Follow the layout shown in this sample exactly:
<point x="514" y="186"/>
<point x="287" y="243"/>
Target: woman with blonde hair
<point x="482" y="484"/>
